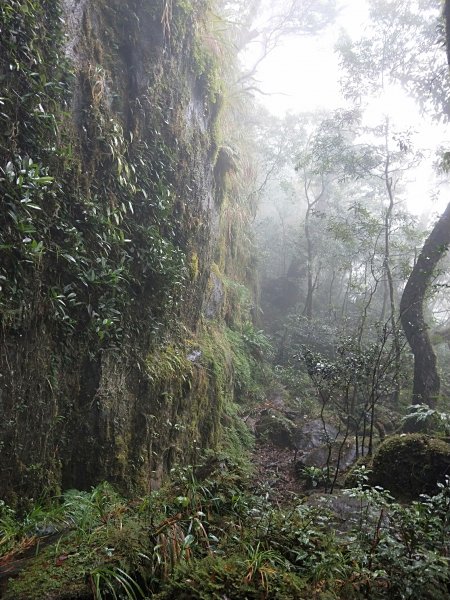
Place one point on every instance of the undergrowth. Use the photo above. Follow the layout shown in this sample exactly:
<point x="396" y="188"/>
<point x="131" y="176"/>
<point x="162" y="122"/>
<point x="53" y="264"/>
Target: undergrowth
<point x="212" y="533"/>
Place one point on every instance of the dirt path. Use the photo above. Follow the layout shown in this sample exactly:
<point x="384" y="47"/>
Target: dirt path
<point x="275" y="471"/>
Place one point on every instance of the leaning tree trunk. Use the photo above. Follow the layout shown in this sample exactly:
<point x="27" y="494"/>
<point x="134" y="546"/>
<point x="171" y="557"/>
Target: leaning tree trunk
<point x="426" y="379"/>
<point x="447" y="28"/>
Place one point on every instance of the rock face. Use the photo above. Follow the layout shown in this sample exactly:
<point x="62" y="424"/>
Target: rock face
<point x="314" y="434"/>
<point x="410" y="464"/>
<point x="108" y="132"/>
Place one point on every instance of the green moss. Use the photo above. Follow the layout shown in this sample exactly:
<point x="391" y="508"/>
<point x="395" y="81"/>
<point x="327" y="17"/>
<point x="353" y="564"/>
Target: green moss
<point x="194" y="266"/>
<point x="122" y="454"/>
<point x="276" y="429"/>
<point x="207" y="69"/>
<point x="410" y="464"/>
<point x="232" y="360"/>
<point x="98" y="530"/>
<point x="168" y="364"/>
<point x="46" y="577"/>
<point x="236" y="438"/>
<point x="217" y="356"/>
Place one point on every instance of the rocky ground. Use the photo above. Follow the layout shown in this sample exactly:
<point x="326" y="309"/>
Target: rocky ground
<point x="292" y="451"/>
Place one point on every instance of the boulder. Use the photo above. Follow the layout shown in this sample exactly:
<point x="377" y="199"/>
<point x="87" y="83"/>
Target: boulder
<point x="343" y="453"/>
<point x="313" y="434"/>
<point x="274" y="427"/>
<point x="410" y="464"/>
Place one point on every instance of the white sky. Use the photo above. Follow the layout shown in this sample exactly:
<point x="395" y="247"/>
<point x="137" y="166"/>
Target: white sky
<point x="302" y="75"/>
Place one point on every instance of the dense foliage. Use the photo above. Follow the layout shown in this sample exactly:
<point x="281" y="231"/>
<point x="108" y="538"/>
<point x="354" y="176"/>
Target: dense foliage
<point x="211" y="533"/>
<point x="88" y="224"/>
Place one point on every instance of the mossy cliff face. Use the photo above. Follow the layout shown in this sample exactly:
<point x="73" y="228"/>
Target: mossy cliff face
<point x="110" y="210"/>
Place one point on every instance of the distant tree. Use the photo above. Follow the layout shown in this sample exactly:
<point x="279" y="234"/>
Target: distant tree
<point x="404" y="45"/>
<point x="320" y="163"/>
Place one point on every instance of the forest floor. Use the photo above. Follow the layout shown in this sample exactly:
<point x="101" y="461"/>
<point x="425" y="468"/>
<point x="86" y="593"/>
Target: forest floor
<point x="274" y="466"/>
<point x="281" y="462"/>
<point x="273" y="534"/>
<point x="274" y="469"/>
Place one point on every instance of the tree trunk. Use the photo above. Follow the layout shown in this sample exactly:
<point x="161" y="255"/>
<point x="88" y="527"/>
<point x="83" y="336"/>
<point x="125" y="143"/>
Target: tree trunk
<point x="311" y="202"/>
<point x="426" y="379"/>
<point x="308" y="310"/>
<point x="447" y="28"/>
<point x="387" y="267"/>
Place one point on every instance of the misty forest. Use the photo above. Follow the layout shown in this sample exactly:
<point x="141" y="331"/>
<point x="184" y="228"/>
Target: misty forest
<point x="224" y="299"/>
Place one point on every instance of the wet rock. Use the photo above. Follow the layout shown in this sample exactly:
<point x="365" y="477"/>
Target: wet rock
<point x="313" y="434"/>
<point x="318" y="466"/>
<point x="347" y="511"/>
<point x="215" y="297"/>
<point x="342" y="454"/>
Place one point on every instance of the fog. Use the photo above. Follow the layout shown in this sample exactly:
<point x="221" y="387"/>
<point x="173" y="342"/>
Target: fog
<point x="302" y="74"/>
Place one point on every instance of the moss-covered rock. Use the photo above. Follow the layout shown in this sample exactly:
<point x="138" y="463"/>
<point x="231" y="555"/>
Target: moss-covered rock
<point x="274" y="427"/>
<point x="410" y="464"/>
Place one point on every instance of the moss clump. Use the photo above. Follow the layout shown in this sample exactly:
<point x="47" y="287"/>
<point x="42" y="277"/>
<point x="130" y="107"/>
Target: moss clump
<point x="236" y="439"/>
<point x="410" y="464"/>
<point x="52" y="576"/>
<point x="169" y="363"/>
<point x="96" y="530"/>
<point x="194" y="266"/>
<point x="217" y="359"/>
<point x="276" y="429"/>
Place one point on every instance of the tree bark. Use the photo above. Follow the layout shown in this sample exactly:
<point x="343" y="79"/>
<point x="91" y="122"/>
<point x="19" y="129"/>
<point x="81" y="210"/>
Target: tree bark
<point x="426" y="379"/>
<point x="447" y="27"/>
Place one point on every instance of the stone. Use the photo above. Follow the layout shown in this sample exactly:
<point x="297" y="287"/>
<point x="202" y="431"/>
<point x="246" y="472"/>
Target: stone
<point x="273" y="427"/>
<point x="410" y="464"/>
<point x="313" y="434"/>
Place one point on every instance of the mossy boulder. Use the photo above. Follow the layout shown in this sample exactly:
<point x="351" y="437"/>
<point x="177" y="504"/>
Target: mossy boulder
<point x="410" y="464"/>
<point x="274" y="427"/>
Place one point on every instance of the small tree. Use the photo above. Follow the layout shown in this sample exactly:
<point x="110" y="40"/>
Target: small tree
<point x="352" y="385"/>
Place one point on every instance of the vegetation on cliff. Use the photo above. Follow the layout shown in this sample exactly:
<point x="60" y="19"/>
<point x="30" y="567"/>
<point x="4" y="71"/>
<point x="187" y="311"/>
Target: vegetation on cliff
<point x="113" y="207"/>
<point x="155" y="440"/>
